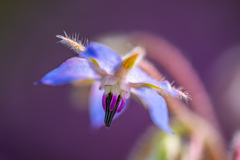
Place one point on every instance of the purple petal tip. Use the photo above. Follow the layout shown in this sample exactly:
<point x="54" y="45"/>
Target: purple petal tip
<point x="38" y="82"/>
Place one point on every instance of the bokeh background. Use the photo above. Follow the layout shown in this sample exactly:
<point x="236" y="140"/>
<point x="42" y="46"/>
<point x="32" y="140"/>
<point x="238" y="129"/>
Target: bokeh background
<point x="41" y="122"/>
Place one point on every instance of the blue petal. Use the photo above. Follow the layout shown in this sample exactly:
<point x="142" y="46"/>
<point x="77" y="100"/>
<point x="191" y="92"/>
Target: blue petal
<point x="97" y="113"/>
<point x="71" y="70"/>
<point x="96" y="110"/>
<point x="107" y="59"/>
<point x="138" y="76"/>
<point x="157" y="106"/>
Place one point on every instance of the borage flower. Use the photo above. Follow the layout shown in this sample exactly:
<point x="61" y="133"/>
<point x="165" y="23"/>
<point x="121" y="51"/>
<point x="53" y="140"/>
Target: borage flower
<point x="115" y="78"/>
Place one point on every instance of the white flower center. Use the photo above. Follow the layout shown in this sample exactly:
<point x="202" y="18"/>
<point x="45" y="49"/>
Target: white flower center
<point x="117" y="90"/>
<point x="116" y="86"/>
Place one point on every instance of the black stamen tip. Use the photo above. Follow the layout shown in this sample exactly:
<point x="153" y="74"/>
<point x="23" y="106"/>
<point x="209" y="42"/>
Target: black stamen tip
<point x="108" y="101"/>
<point x="110" y="114"/>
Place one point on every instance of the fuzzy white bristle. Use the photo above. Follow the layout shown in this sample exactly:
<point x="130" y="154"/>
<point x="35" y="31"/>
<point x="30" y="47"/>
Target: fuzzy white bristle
<point x="72" y="42"/>
<point x="182" y="95"/>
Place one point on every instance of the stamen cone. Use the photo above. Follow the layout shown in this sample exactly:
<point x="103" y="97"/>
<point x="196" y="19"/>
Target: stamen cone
<point x="109" y="114"/>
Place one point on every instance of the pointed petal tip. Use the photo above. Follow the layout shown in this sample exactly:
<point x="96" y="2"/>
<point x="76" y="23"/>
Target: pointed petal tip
<point x="72" y="70"/>
<point x="43" y="81"/>
<point x="157" y="107"/>
<point x="169" y="131"/>
<point x="38" y="82"/>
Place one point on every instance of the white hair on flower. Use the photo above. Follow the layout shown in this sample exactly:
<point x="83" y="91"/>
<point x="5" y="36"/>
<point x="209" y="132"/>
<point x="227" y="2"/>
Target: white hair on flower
<point x="117" y="76"/>
<point x="73" y="42"/>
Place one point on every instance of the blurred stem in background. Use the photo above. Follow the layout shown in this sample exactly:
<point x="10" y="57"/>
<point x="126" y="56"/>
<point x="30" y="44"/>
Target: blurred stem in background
<point x="199" y="122"/>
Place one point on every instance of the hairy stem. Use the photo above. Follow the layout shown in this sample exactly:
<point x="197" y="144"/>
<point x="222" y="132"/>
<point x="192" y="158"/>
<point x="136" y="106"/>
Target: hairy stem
<point x="172" y="60"/>
<point x="197" y="125"/>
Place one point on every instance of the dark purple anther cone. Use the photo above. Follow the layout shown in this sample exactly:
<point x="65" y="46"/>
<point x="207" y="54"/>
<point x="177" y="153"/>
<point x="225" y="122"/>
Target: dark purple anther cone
<point x="40" y="122"/>
<point x="109" y="114"/>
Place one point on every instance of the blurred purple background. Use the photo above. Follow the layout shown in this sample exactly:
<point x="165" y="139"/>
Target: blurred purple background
<point x="40" y="122"/>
